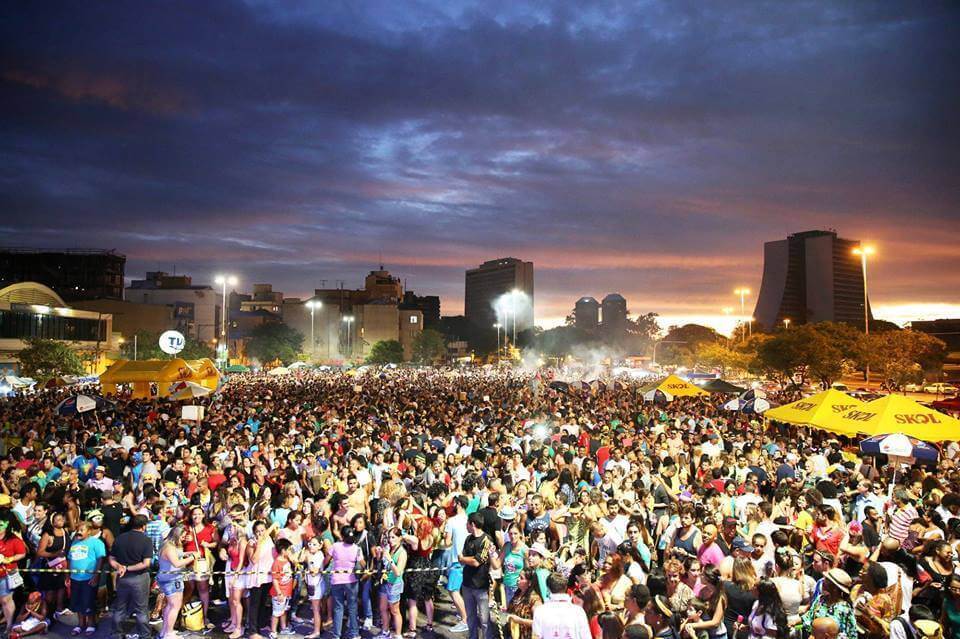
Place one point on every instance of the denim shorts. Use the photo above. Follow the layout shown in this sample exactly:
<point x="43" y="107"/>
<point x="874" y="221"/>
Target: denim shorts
<point x="170" y="587"/>
<point x="280" y="605"/>
<point x="392" y="591"/>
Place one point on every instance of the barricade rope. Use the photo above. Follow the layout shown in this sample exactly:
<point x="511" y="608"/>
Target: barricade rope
<point x="232" y="573"/>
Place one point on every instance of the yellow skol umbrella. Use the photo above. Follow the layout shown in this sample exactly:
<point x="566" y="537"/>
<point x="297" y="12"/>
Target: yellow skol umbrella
<point x="820" y="410"/>
<point x="900" y="414"/>
<point x="678" y="387"/>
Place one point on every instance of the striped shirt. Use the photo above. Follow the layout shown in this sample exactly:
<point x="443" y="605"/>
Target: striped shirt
<point x="900" y="522"/>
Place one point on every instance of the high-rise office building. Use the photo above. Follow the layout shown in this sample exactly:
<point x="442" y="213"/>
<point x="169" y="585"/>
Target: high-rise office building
<point x="73" y="274"/>
<point x="586" y="314"/>
<point x="812" y="276"/>
<point x="490" y="285"/>
<point x="614" y="308"/>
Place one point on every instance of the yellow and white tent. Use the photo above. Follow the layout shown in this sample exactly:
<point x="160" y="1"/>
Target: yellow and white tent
<point x="820" y="410"/>
<point x="674" y="386"/>
<point x="898" y="414"/>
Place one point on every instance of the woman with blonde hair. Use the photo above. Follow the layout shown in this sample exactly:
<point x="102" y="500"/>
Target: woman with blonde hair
<point x="234" y="554"/>
<point x="170" y="577"/>
<point x="740" y="593"/>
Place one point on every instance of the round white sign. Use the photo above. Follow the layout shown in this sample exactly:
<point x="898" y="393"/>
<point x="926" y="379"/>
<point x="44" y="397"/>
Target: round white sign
<point x="172" y="342"/>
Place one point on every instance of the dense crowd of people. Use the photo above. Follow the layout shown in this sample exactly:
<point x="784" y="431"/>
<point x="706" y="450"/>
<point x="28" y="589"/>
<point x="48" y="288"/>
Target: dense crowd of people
<point x="335" y="503"/>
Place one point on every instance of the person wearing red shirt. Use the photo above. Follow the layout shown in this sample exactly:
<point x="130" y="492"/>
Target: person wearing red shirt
<point x="281" y="590"/>
<point x="826" y="534"/>
<point x="202" y="540"/>
<point x="12" y="550"/>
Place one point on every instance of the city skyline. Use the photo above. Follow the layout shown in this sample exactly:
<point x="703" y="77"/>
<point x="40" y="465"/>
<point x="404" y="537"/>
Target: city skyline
<point x="649" y="151"/>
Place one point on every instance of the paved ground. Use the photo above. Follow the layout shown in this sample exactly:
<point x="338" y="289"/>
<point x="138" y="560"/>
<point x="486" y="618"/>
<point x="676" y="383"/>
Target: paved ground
<point x="444" y="619"/>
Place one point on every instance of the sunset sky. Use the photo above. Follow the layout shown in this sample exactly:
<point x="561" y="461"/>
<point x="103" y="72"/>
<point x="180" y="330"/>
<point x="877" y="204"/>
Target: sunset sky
<point x="647" y="148"/>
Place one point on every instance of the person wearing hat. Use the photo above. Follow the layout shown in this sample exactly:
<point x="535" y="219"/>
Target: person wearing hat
<point x="833" y="601"/>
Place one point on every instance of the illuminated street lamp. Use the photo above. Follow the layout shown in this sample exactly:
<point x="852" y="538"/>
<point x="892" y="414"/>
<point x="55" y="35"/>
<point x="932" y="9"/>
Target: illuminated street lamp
<point x="224" y="280"/>
<point x="514" y="294"/>
<point x="863" y="252"/>
<point x="743" y="292"/>
<point x="786" y="323"/>
<point x="313" y="305"/>
<point x="348" y="320"/>
<point x="497" y="326"/>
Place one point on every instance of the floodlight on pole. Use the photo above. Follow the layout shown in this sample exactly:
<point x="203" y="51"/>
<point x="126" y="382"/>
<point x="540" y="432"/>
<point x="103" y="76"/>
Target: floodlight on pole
<point x="313" y="305"/>
<point x="224" y="281"/>
<point x="348" y="320"/>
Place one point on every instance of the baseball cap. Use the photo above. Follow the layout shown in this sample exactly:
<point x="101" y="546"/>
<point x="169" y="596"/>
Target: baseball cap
<point x="741" y="544"/>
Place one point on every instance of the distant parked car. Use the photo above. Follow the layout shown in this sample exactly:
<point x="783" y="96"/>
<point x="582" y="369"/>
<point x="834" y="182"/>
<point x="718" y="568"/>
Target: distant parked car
<point x="941" y="388"/>
<point x="913" y="388"/>
<point x="840" y="386"/>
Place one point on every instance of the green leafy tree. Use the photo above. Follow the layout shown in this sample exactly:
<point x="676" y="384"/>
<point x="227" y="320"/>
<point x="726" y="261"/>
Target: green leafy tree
<point x="806" y="352"/>
<point x="721" y="356"/>
<point x="388" y="351"/>
<point x="902" y="356"/>
<point x="148" y="347"/>
<point x="48" y="358"/>
<point x="848" y="339"/>
<point x="430" y="347"/>
<point x="679" y="345"/>
<point x="642" y="330"/>
<point x="275" y="341"/>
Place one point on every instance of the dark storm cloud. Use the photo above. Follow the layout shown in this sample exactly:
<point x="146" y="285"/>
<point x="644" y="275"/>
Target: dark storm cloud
<point x="640" y="147"/>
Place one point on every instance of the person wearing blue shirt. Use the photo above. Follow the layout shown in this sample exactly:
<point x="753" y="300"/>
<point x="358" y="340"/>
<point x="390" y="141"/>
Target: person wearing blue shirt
<point x="86" y="555"/>
<point x="85" y="466"/>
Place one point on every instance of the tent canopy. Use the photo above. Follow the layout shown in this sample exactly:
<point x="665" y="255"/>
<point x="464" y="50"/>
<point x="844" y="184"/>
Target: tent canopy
<point x="721" y="386"/>
<point x="899" y="414"/>
<point x="678" y="387"/>
<point x="162" y="372"/>
<point x="820" y="411"/>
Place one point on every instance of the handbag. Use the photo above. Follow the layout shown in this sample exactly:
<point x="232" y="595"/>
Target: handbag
<point x="201" y="565"/>
<point x="14" y="580"/>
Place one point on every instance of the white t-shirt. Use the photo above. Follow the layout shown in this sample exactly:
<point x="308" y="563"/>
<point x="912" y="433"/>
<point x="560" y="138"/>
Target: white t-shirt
<point x="559" y="618"/>
<point x="363" y="477"/>
<point x="456" y="527"/>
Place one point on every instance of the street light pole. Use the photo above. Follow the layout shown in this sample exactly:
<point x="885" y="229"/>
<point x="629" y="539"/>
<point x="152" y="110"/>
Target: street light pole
<point x="497" y="326"/>
<point x="743" y="292"/>
<point x="863" y="252"/>
<point x="513" y="312"/>
<point x="348" y="320"/>
<point x="223" y="280"/>
<point x="313" y="306"/>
